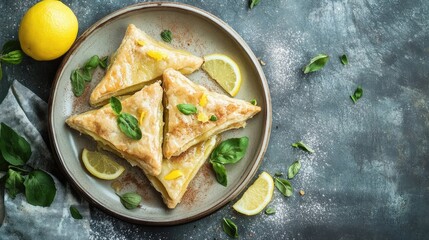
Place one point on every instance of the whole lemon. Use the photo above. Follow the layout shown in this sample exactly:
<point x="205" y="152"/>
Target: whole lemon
<point x="48" y="30"/>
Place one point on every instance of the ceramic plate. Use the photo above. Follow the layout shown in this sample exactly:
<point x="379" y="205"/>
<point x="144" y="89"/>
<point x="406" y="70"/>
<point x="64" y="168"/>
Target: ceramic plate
<point x="198" y="32"/>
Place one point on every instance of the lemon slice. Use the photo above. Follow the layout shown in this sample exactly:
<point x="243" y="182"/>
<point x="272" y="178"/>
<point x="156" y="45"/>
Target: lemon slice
<point x="101" y="165"/>
<point x="257" y="196"/>
<point x="225" y="71"/>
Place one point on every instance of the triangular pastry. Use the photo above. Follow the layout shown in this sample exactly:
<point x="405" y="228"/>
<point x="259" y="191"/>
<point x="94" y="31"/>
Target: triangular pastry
<point x="138" y="61"/>
<point x="101" y="124"/>
<point x="182" y="131"/>
<point x="178" y="172"/>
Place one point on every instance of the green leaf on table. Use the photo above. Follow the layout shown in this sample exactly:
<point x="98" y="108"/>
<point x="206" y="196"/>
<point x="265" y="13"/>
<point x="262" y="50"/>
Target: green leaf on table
<point x="14" y="148"/>
<point x="10" y="46"/>
<point x="75" y="213"/>
<point x="40" y="188"/>
<point x="130" y="200"/>
<point x="344" y="59"/>
<point x="77" y="82"/>
<point x="316" y="63"/>
<point x="230" y="151"/>
<point x="283" y="186"/>
<point x="357" y="94"/>
<point x="229" y="227"/>
<point x="253" y="3"/>
<point x="166" y="36"/>
<point x="293" y="169"/>
<point x="129" y="125"/>
<point x="14" y="183"/>
<point x="302" y="146"/>
<point x="13" y="57"/>
<point x="220" y="173"/>
<point x="104" y="62"/>
<point x="186" y="108"/>
<point x="270" y="211"/>
<point x="116" y="105"/>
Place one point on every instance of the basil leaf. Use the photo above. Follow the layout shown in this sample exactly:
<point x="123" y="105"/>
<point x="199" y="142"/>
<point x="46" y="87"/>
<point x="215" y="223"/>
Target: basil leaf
<point x="344" y="59"/>
<point x="86" y="74"/>
<point x="92" y="62"/>
<point x="316" y="63"/>
<point x="220" y="172"/>
<point x="253" y="3"/>
<point x="270" y="211"/>
<point x="357" y="94"/>
<point x="230" y="151"/>
<point x="14" y="57"/>
<point x="166" y="36"/>
<point x="254" y="102"/>
<point x="283" y="186"/>
<point x="130" y="200"/>
<point x="229" y="227"/>
<point x="213" y="118"/>
<point x="116" y="105"/>
<point x="104" y="62"/>
<point x="10" y="46"/>
<point x="77" y="82"/>
<point x="40" y="188"/>
<point x="302" y="146"/>
<point x="293" y="169"/>
<point x="187" y="109"/>
<point x="14" y="183"/>
<point x="14" y="148"/>
<point x="75" y="213"/>
<point x="129" y="125"/>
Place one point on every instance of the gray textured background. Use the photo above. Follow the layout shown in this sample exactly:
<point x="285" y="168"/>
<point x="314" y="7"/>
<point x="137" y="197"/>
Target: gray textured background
<point x="369" y="176"/>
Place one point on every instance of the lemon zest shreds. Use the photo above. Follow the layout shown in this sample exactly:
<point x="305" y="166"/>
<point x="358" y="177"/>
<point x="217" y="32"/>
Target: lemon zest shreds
<point x="174" y="174"/>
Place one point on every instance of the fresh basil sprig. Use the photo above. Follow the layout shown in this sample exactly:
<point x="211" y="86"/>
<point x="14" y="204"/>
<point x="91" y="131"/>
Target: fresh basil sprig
<point x="253" y="3"/>
<point x="230" y="151"/>
<point x="293" y="169"/>
<point x="302" y="146"/>
<point x="81" y="76"/>
<point x="75" y="213"/>
<point x="186" y="108"/>
<point x="220" y="173"/>
<point x="357" y="94"/>
<point x="15" y="151"/>
<point x="11" y="53"/>
<point x="130" y="200"/>
<point x="283" y="186"/>
<point x="127" y="123"/>
<point x="14" y="183"/>
<point x="227" y="152"/>
<point x="316" y="63"/>
<point x="166" y="36"/>
<point x="229" y="227"/>
<point x="344" y="59"/>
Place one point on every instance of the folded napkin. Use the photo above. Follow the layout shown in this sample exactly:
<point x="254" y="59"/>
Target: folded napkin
<point x="27" y="114"/>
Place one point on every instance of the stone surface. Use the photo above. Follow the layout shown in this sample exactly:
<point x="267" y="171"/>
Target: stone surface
<point x="368" y="177"/>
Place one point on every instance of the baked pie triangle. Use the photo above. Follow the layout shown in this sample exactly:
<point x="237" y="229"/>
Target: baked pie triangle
<point x="183" y="131"/>
<point x="139" y="60"/>
<point x="178" y="172"/>
<point x="101" y="124"/>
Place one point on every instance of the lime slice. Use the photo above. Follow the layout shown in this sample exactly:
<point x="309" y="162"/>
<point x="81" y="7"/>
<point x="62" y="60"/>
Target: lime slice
<point x="225" y="71"/>
<point x="101" y="165"/>
<point x="257" y="196"/>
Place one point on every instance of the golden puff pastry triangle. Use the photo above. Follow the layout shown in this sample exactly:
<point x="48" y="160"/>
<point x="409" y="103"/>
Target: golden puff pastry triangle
<point x="138" y="61"/>
<point x="183" y="168"/>
<point x="101" y="124"/>
<point x="182" y="131"/>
